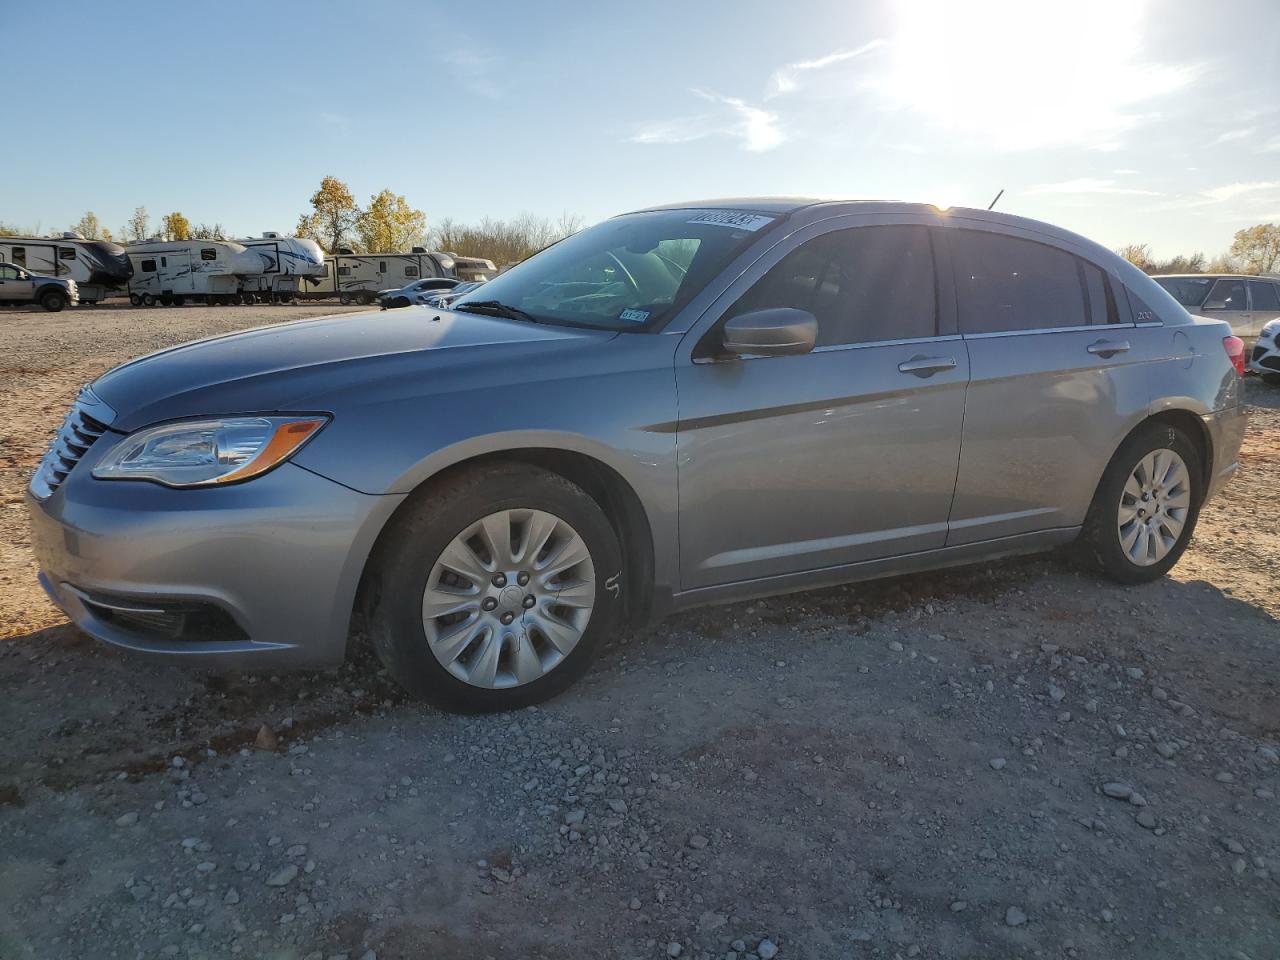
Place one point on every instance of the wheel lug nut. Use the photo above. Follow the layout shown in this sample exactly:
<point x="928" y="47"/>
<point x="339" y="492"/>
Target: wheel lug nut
<point x="508" y="617"/>
<point x="529" y="601"/>
<point x="499" y="579"/>
<point x="522" y="578"/>
<point x="489" y="603"/>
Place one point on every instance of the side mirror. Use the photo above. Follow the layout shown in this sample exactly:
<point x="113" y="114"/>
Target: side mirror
<point x="774" y="332"/>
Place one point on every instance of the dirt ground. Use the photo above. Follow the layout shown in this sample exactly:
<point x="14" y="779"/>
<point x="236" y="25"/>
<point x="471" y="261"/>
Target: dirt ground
<point x="911" y="768"/>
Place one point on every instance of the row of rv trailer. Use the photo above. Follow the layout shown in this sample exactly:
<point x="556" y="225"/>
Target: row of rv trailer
<point x="267" y="268"/>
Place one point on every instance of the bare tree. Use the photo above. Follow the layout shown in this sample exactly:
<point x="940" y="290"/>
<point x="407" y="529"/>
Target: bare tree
<point x="503" y="241"/>
<point x="139" y="225"/>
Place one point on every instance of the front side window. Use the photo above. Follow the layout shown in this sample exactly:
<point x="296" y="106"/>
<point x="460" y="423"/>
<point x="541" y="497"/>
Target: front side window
<point x="344" y="271"/>
<point x="66" y="253"/>
<point x="630" y="273"/>
<point x="1265" y="295"/>
<point x="147" y="266"/>
<point x="1188" y="291"/>
<point x="864" y="285"/>
<point x="410" y="270"/>
<point x="8" y="273"/>
<point x="209" y="253"/>
<point x="1227" y="294"/>
<point x="1006" y="283"/>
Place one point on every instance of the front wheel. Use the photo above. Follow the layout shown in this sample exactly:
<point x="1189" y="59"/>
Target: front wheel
<point x="53" y="300"/>
<point x="1146" y="506"/>
<point x="494" y="590"/>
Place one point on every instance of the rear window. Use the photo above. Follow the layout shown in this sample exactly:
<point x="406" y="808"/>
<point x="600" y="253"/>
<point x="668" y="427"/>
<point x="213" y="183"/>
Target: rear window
<point x="1006" y="283"/>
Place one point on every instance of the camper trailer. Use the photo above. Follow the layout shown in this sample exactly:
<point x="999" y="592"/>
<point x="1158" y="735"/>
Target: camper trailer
<point x="97" y="266"/>
<point x="358" y="278"/>
<point x="287" y="263"/>
<point x="473" y="268"/>
<point x="171" y="272"/>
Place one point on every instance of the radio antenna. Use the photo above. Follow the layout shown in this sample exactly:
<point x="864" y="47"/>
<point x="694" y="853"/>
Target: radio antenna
<point x="991" y="206"/>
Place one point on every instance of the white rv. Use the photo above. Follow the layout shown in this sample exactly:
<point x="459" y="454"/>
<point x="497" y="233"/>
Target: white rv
<point x="97" y="266"/>
<point x="473" y="268"/>
<point x="359" y="277"/>
<point x="287" y="262"/>
<point x="171" y="271"/>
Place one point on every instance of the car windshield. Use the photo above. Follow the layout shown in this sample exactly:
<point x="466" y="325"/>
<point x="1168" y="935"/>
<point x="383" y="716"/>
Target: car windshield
<point x="630" y="273"/>
<point x="1188" y="291"/>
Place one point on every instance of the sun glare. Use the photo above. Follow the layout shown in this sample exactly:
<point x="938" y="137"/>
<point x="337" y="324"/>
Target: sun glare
<point x="1012" y="74"/>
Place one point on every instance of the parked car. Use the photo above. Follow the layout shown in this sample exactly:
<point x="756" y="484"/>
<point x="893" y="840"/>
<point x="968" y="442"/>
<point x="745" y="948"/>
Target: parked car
<point x="20" y="286"/>
<point x="442" y="298"/>
<point x="415" y="292"/>
<point x="1247" y="303"/>
<point x="679" y="406"/>
<point x="1265" y="359"/>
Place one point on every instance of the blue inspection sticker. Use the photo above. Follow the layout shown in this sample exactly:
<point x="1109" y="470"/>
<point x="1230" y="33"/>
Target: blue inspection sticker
<point x="634" y="316"/>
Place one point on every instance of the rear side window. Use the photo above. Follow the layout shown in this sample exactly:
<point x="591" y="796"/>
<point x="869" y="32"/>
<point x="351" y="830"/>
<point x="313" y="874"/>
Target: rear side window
<point x="20" y="256"/>
<point x="209" y="253"/>
<point x="344" y="271"/>
<point x="1265" y="295"/>
<point x="66" y="253"/>
<point x="864" y="285"/>
<point x="1227" y="294"/>
<point x="147" y="266"/>
<point x="410" y="270"/>
<point x="1188" y="291"/>
<point x="1006" y="283"/>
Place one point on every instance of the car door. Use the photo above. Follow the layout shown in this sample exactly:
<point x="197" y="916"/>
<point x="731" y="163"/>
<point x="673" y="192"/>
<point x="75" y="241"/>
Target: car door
<point x="1057" y="376"/>
<point x="1264" y="304"/>
<point x="1228" y="300"/>
<point x="15" y="284"/>
<point x="795" y="463"/>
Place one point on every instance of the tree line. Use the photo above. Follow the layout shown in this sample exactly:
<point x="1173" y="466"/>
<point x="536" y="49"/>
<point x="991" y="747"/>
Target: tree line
<point x="387" y="224"/>
<point x="1254" y="250"/>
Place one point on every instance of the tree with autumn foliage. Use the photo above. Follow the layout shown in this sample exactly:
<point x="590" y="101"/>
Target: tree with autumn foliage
<point x="175" y="227"/>
<point x="1258" y="247"/>
<point x="334" y="215"/>
<point x="389" y="224"/>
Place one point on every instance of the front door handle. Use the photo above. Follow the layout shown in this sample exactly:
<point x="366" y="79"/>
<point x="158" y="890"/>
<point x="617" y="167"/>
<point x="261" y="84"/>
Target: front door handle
<point x="926" y="366"/>
<point x="1108" y="348"/>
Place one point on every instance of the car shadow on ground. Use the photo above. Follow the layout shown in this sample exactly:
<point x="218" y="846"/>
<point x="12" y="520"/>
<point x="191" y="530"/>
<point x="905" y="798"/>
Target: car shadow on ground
<point x="89" y="711"/>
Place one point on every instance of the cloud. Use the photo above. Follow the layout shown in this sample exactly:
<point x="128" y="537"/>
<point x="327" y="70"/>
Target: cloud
<point x="756" y="128"/>
<point x="1230" y="135"/>
<point x="475" y="71"/>
<point x="1272" y="145"/>
<point x="786" y="78"/>
<point x="1232" y="190"/>
<point x="1089" y="185"/>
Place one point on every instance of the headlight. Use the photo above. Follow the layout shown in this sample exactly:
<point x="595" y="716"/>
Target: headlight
<point x="196" y="453"/>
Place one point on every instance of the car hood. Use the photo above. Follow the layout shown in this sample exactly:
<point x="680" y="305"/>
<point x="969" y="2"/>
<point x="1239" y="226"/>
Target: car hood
<point x="298" y="366"/>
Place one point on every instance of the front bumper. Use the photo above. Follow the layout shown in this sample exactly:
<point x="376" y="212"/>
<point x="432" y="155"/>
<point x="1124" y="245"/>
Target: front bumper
<point x="277" y="560"/>
<point x="1265" y="356"/>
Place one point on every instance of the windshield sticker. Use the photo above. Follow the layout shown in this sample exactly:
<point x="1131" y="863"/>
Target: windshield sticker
<point x="634" y="316"/>
<point x="737" y="219"/>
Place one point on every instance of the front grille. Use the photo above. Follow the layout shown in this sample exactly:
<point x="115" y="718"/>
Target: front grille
<point x="72" y="441"/>
<point x="194" y="621"/>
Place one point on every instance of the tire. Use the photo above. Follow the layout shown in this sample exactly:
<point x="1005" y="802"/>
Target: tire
<point x="1271" y="379"/>
<point x="53" y="300"/>
<point x="135" y="299"/>
<point x="406" y="569"/>
<point x="344" y="299"/>
<point x="1179" y="500"/>
<point x="179" y="301"/>
<point x="148" y="300"/>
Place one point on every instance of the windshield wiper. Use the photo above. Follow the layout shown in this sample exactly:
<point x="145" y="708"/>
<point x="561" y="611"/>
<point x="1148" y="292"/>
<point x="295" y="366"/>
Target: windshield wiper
<point x="498" y="309"/>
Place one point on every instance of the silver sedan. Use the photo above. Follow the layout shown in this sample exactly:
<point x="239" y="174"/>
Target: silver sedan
<point x="684" y="405"/>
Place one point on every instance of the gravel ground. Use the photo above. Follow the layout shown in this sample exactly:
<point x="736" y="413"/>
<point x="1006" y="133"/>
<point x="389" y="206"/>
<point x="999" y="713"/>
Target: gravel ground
<point x="1012" y="759"/>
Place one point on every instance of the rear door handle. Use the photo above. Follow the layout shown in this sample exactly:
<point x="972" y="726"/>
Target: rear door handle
<point x="926" y="366"/>
<point x="1108" y="348"/>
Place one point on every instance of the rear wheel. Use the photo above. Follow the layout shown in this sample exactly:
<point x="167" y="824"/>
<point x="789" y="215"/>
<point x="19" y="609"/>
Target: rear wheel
<point x="53" y="300"/>
<point x="493" y="592"/>
<point x="1146" y="506"/>
<point x="135" y="299"/>
<point x="148" y="300"/>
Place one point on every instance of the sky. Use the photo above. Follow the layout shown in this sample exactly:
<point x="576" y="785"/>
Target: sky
<point x="1126" y="121"/>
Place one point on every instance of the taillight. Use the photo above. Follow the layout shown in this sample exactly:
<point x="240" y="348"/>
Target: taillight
<point x="1235" y="351"/>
